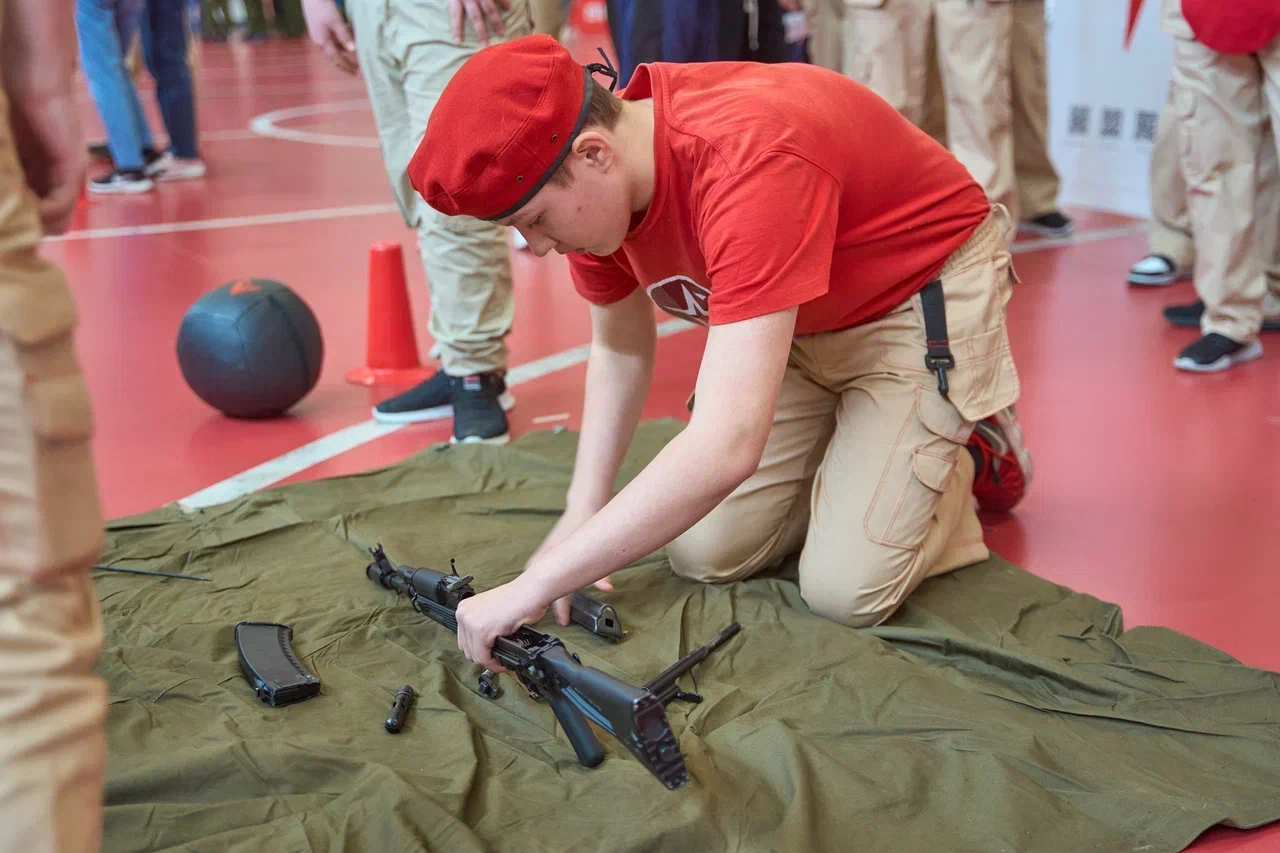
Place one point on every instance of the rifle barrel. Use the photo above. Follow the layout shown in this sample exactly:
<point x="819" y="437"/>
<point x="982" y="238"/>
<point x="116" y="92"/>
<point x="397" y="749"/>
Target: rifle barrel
<point x="663" y="680"/>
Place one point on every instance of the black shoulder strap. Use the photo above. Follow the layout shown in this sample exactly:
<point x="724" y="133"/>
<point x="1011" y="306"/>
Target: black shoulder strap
<point x="938" y="356"/>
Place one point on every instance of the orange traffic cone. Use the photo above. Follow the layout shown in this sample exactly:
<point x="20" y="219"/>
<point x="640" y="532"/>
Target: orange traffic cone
<point x="391" y="352"/>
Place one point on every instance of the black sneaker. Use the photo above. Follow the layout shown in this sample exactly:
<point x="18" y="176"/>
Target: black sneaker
<point x="479" y="410"/>
<point x="1050" y="225"/>
<point x="117" y="182"/>
<point x="1190" y="314"/>
<point x="427" y="401"/>
<point x="1215" y="352"/>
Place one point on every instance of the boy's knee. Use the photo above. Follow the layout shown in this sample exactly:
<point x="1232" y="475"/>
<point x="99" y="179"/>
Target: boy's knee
<point x="864" y="597"/>
<point x="711" y="552"/>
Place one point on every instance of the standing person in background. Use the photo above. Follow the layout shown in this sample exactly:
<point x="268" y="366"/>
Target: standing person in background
<point x="1171" y="251"/>
<point x="408" y="50"/>
<point x="53" y="749"/>
<point x="1226" y="78"/>
<point x="165" y="46"/>
<point x="1037" y="178"/>
<point x="886" y="48"/>
<point x="105" y="28"/>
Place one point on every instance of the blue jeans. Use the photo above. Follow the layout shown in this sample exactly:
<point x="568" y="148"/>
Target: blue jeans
<point x="164" y="48"/>
<point x="105" y="29"/>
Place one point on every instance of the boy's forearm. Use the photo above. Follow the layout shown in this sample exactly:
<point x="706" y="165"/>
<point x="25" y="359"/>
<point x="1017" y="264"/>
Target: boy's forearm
<point x="677" y="488"/>
<point x="38" y="47"/>
<point x="616" y="388"/>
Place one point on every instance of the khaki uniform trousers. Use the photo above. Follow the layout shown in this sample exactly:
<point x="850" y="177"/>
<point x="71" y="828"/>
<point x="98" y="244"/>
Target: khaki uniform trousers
<point x="407" y="56"/>
<point x="1223" y="103"/>
<point x="548" y="17"/>
<point x="1169" y="229"/>
<point x="826" y="40"/>
<point x="886" y="48"/>
<point x="52" y="707"/>
<point x="1036" y="177"/>
<point x="865" y="473"/>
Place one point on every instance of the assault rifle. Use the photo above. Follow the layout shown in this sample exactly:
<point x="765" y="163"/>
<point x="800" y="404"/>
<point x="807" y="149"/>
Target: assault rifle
<point x="636" y="716"/>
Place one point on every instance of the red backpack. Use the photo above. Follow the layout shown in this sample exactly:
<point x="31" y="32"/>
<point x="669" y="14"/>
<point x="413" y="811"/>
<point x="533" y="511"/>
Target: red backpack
<point x="1233" y="26"/>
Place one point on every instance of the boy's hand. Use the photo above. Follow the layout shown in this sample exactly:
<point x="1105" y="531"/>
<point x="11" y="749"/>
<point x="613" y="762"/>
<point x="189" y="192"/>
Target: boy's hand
<point x="484" y="617"/>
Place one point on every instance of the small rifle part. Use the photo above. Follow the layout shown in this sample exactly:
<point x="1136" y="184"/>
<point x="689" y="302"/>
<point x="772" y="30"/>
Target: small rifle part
<point x="577" y="694"/>
<point x="488" y="686"/>
<point x="664" y="684"/>
<point x="399" y="708"/>
<point x="596" y="616"/>
<point x="270" y="666"/>
<point x="150" y="573"/>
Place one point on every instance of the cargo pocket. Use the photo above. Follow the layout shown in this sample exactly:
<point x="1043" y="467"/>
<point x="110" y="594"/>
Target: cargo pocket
<point x="916" y="474"/>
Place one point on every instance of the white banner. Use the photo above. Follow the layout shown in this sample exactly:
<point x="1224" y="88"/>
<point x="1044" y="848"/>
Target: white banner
<point x="1104" y="101"/>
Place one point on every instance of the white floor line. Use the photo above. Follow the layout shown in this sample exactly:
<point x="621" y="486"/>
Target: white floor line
<point x="322" y="449"/>
<point x="266" y="124"/>
<point x="225" y="222"/>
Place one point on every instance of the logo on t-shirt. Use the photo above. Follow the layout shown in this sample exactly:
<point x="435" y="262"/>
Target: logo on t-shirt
<point x="683" y="297"/>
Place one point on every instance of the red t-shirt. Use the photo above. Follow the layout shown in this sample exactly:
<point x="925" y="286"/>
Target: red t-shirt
<point x="779" y="185"/>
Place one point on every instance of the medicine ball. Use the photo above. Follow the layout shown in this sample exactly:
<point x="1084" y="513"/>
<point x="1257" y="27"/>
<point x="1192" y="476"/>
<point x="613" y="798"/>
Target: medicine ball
<point x="251" y="348"/>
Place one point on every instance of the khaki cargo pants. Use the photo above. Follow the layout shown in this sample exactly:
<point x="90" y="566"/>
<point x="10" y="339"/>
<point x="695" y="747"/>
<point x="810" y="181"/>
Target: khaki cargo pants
<point x="407" y="56"/>
<point x="52" y="706"/>
<point x="1223" y="104"/>
<point x="886" y="44"/>
<point x="865" y="473"/>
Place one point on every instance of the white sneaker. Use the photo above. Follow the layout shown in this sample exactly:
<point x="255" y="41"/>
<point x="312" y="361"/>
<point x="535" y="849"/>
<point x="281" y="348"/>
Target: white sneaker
<point x="172" y="168"/>
<point x="1156" y="271"/>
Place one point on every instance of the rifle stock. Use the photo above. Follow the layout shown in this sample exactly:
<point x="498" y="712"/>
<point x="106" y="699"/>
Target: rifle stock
<point x="579" y="695"/>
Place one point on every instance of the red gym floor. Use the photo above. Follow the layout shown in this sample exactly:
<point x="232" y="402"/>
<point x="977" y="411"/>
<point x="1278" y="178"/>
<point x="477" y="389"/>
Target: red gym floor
<point x="1154" y="489"/>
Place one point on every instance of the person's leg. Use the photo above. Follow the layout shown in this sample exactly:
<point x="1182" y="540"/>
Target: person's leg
<point x="1219" y="99"/>
<point x="102" y="61"/>
<point x="128" y="26"/>
<point x="884" y="49"/>
<point x="974" y="58"/>
<point x="408" y="55"/>
<point x="548" y="17"/>
<point x="934" y="120"/>
<point x="893" y="500"/>
<point x="1034" y="171"/>
<point x="164" y="47"/>
<point x="52" y="706"/>
<point x="1170" y="250"/>
<point x="1269" y="187"/>
<point x="826" y="47"/>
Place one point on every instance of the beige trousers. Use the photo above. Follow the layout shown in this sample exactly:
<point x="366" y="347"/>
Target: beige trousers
<point x="885" y="48"/>
<point x="1037" y="178"/>
<point x="52" y="706"/>
<point x="865" y="472"/>
<point x="1169" y="230"/>
<point x="407" y="55"/>
<point x="548" y="17"/>
<point x="826" y="41"/>
<point x="1223" y="103"/>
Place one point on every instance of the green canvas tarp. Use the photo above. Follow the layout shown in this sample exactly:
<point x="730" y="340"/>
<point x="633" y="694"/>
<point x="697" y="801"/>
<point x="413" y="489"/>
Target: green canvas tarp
<point x="995" y="712"/>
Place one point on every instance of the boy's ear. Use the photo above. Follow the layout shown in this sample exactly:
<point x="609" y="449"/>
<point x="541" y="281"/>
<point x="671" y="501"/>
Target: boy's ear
<point x="595" y="149"/>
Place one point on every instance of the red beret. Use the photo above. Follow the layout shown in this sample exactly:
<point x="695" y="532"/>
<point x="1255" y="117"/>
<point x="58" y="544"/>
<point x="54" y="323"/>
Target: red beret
<point x="501" y="128"/>
<point x="1233" y="26"/>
